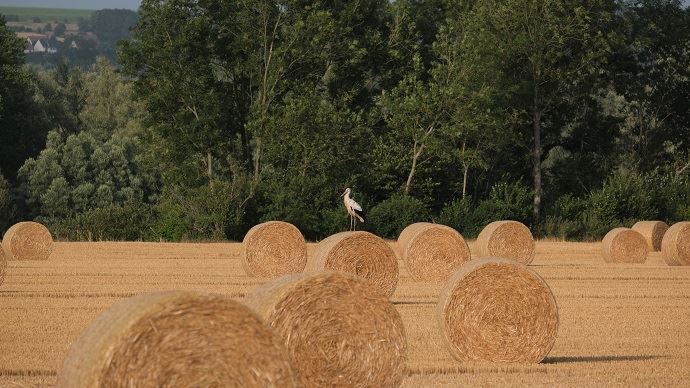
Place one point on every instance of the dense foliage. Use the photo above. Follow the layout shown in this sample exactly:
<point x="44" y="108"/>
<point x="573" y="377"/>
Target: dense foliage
<point x="569" y="115"/>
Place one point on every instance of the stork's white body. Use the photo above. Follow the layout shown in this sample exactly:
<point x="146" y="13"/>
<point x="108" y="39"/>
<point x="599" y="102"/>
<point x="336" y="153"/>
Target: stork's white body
<point x="352" y="208"/>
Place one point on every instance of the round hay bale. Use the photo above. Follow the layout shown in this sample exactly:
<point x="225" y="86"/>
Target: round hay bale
<point x="27" y="240"/>
<point x="338" y="329"/>
<point x="509" y="239"/>
<point x="359" y="253"/>
<point x="3" y="264"/>
<point x="274" y="249"/>
<point x="653" y="233"/>
<point x="177" y="338"/>
<point x="624" y="245"/>
<point x="497" y="310"/>
<point x="432" y="252"/>
<point x="675" y="247"/>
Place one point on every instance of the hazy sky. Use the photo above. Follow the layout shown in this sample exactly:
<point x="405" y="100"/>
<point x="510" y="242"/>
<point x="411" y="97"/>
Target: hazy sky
<point x="76" y="4"/>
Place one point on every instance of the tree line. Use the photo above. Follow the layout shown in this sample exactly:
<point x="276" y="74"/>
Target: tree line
<point x="571" y="116"/>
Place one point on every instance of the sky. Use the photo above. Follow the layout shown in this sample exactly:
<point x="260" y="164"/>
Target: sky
<point x="74" y="4"/>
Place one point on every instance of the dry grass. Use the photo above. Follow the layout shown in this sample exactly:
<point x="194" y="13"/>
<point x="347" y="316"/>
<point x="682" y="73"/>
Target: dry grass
<point x="273" y="249"/>
<point x="509" y="239"/>
<point x="177" y="338"/>
<point x="359" y="253"/>
<point x="624" y="245"/>
<point x="432" y="252"/>
<point x="620" y="325"/>
<point x="339" y="330"/>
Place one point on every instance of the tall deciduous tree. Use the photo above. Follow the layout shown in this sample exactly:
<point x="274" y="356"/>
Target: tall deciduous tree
<point x="541" y="47"/>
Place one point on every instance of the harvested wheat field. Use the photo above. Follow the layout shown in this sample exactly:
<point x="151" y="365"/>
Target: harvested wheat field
<point x="619" y="324"/>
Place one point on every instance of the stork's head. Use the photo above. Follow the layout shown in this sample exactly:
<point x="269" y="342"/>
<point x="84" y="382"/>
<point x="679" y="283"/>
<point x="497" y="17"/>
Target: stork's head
<point x="347" y="191"/>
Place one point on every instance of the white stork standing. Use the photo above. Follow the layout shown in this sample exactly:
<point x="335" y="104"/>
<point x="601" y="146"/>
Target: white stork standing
<point x="352" y="209"/>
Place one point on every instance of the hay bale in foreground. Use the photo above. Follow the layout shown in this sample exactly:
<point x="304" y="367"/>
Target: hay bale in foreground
<point x="653" y="233"/>
<point x="359" y="253"/>
<point x="432" y="252"/>
<point x="27" y="240"/>
<point x="497" y="310"/>
<point x="339" y="331"/>
<point x="624" y="245"/>
<point x="177" y="338"/>
<point x="509" y="239"/>
<point x="675" y="247"/>
<point x="3" y="264"/>
<point x="273" y="249"/>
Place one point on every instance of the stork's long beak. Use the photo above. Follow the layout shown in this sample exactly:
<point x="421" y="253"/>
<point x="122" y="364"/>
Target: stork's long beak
<point x="343" y="194"/>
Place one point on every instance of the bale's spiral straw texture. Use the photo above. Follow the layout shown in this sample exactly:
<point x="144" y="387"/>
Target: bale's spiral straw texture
<point x="27" y="241"/>
<point x="624" y="245"/>
<point x="177" y="339"/>
<point x="274" y="249"/>
<point x="509" y="239"/>
<point x="339" y="331"/>
<point x="653" y="233"/>
<point x="359" y="253"/>
<point x="675" y="248"/>
<point x="497" y="310"/>
<point x="432" y="252"/>
<point x="3" y="264"/>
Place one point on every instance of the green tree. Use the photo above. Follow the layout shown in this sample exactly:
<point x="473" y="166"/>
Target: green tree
<point x="21" y="124"/>
<point x="541" y="47"/>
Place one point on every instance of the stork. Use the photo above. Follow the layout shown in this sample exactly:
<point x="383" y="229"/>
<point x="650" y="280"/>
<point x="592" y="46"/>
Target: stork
<point x="352" y="209"/>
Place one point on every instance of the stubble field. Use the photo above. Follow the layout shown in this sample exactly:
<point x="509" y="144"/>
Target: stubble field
<point x="620" y="325"/>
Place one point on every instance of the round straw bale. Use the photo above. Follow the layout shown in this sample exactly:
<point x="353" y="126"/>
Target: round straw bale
<point x="338" y="329"/>
<point x="497" y="310"/>
<point x="359" y="253"/>
<point x="177" y="339"/>
<point x="432" y="252"/>
<point x="27" y="240"/>
<point x="274" y="249"/>
<point x="3" y="264"/>
<point x="509" y="239"/>
<point x="624" y="245"/>
<point x="675" y="247"/>
<point x="653" y="233"/>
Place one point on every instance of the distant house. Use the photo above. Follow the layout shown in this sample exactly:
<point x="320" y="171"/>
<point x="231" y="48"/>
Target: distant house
<point x="38" y="47"/>
<point x="28" y="46"/>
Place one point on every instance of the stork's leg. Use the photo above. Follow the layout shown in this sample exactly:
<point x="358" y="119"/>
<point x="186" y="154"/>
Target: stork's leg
<point x="355" y="221"/>
<point x="350" y="224"/>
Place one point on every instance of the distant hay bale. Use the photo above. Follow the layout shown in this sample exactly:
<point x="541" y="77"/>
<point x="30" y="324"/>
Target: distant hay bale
<point x="432" y="252"/>
<point x="339" y="330"/>
<point x="653" y="233"/>
<point x="510" y="239"/>
<point x="27" y="241"/>
<point x="675" y="247"/>
<point x="497" y="310"/>
<point x="3" y="264"/>
<point x="359" y="253"/>
<point x="624" y="245"/>
<point x="177" y="338"/>
<point x="273" y="249"/>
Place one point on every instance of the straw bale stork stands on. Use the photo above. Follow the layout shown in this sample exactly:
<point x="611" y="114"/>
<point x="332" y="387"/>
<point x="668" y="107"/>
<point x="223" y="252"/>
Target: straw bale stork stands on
<point x="353" y="209"/>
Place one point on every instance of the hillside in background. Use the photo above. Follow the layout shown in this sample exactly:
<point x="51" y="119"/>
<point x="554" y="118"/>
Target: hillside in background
<point x="73" y="4"/>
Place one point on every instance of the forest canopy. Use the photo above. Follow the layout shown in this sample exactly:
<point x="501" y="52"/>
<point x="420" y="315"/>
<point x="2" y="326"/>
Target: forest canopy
<point x="571" y="116"/>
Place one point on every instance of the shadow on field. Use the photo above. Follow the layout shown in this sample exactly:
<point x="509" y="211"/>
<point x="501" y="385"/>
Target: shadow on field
<point x="566" y="359"/>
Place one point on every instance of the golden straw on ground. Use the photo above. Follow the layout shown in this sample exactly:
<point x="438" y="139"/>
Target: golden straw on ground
<point x="177" y="339"/>
<point x="27" y="240"/>
<point x="274" y="249"/>
<point x="509" y="239"/>
<point x="675" y="248"/>
<point x="497" y="310"/>
<point x="359" y="253"/>
<point x="624" y="245"/>
<point x="339" y="331"/>
<point x="653" y="233"/>
<point x="432" y="252"/>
